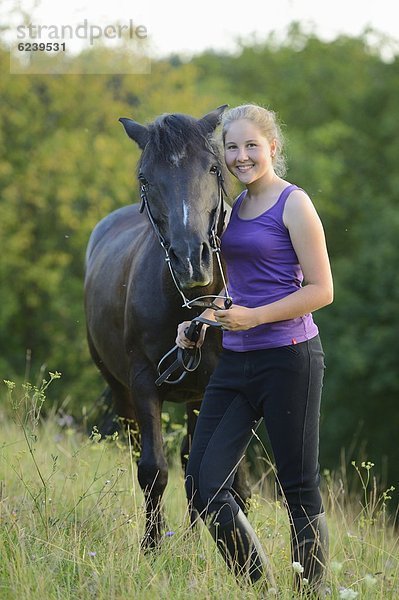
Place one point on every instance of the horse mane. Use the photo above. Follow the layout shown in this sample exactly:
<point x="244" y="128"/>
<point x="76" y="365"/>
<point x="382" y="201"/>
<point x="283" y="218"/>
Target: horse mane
<point x="178" y="135"/>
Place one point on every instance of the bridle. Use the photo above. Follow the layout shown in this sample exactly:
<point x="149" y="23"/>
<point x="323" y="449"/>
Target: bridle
<point x="188" y="360"/>
<point x="214" y="240"/>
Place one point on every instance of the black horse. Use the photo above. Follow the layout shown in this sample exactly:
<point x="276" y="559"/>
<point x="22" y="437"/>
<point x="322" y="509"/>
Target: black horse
<point x="142" y="269"/>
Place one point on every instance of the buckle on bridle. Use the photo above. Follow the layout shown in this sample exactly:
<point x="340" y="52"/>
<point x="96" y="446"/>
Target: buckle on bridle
<point x="143" y="191"/>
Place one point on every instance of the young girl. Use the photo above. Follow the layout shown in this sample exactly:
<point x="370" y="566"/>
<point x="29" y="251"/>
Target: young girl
<point x="272" y="362"/>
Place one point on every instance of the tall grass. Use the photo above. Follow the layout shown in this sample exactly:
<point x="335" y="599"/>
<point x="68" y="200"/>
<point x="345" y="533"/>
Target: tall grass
<point x="72" y="518"/>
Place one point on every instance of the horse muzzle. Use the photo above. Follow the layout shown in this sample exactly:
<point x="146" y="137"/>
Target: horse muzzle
<point x="192" y="267"/>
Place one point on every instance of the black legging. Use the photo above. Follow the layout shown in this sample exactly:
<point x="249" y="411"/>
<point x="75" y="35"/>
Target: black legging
<point x="282" y="385"/>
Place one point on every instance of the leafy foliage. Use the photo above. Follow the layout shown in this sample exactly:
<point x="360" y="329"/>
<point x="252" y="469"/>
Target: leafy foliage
<point x="65" y="163"/>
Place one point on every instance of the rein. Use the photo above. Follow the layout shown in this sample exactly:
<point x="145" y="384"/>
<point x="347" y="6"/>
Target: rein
<point x="188" y="360"/>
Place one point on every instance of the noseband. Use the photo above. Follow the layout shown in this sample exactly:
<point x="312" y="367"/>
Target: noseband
<point x="214" y="240"/>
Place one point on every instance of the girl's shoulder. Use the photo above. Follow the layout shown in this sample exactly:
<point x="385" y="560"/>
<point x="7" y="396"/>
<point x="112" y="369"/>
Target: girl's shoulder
<point x="298" y="206"/>
<point x="297" y="198"/>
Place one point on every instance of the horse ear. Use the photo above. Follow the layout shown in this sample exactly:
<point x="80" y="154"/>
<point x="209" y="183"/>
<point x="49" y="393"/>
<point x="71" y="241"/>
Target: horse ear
<point x="212" y="119"/>
<point x="138" y="133"/>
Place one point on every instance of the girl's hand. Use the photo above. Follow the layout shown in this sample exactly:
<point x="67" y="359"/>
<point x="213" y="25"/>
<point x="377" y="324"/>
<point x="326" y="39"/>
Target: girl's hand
<point x="183" y="342"/>
<point x="236" y="318"/>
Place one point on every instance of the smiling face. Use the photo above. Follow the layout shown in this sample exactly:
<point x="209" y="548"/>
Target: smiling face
<point x="248" y="153"/>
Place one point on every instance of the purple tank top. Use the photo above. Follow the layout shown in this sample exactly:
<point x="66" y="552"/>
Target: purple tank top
<point x="262" y="267"/>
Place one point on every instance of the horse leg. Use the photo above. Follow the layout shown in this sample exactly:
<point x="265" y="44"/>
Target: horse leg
<point x="192" y="409"/>
<point x="241" y="488"/>
<point x="152" y="465"/>
<point x="121" y="405"/>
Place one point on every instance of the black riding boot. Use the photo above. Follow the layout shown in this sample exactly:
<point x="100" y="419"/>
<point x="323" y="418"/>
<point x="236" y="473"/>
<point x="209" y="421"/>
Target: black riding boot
<point x="241" y="549"/>
<point x="309" y="539"/>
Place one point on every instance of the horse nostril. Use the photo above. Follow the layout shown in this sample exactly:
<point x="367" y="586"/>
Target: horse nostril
<point x="191" y="260"/>
<point x="205" y="253"/>
<point x="172" y="254"/>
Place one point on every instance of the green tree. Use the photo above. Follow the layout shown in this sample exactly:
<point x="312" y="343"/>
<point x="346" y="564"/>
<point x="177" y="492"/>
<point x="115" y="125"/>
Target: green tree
<point x="65" y="163"/>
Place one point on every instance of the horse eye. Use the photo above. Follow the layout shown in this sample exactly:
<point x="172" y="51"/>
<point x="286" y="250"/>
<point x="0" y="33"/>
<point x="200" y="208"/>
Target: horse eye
<point x="142" y="179"/>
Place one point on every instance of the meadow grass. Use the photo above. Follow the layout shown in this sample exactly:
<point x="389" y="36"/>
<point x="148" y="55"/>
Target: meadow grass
<point x="72" y="518"/>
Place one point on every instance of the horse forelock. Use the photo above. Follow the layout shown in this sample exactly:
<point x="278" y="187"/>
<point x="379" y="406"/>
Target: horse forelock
<point x="173" y="137"/>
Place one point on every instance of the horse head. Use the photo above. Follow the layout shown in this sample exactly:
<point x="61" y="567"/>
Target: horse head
<point x="180" y="172"/>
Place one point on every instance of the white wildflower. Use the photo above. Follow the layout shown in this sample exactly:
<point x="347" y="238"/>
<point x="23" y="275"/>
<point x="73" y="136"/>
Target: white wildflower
<point x="369" y="580"/>
<point x="298" y="568"/>
<point x="336" y="566"/>
<point x="347" y="594"/>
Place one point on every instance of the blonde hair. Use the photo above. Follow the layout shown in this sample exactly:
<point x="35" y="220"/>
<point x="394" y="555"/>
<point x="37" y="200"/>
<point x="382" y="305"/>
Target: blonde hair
<point x="266" y="121"/>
